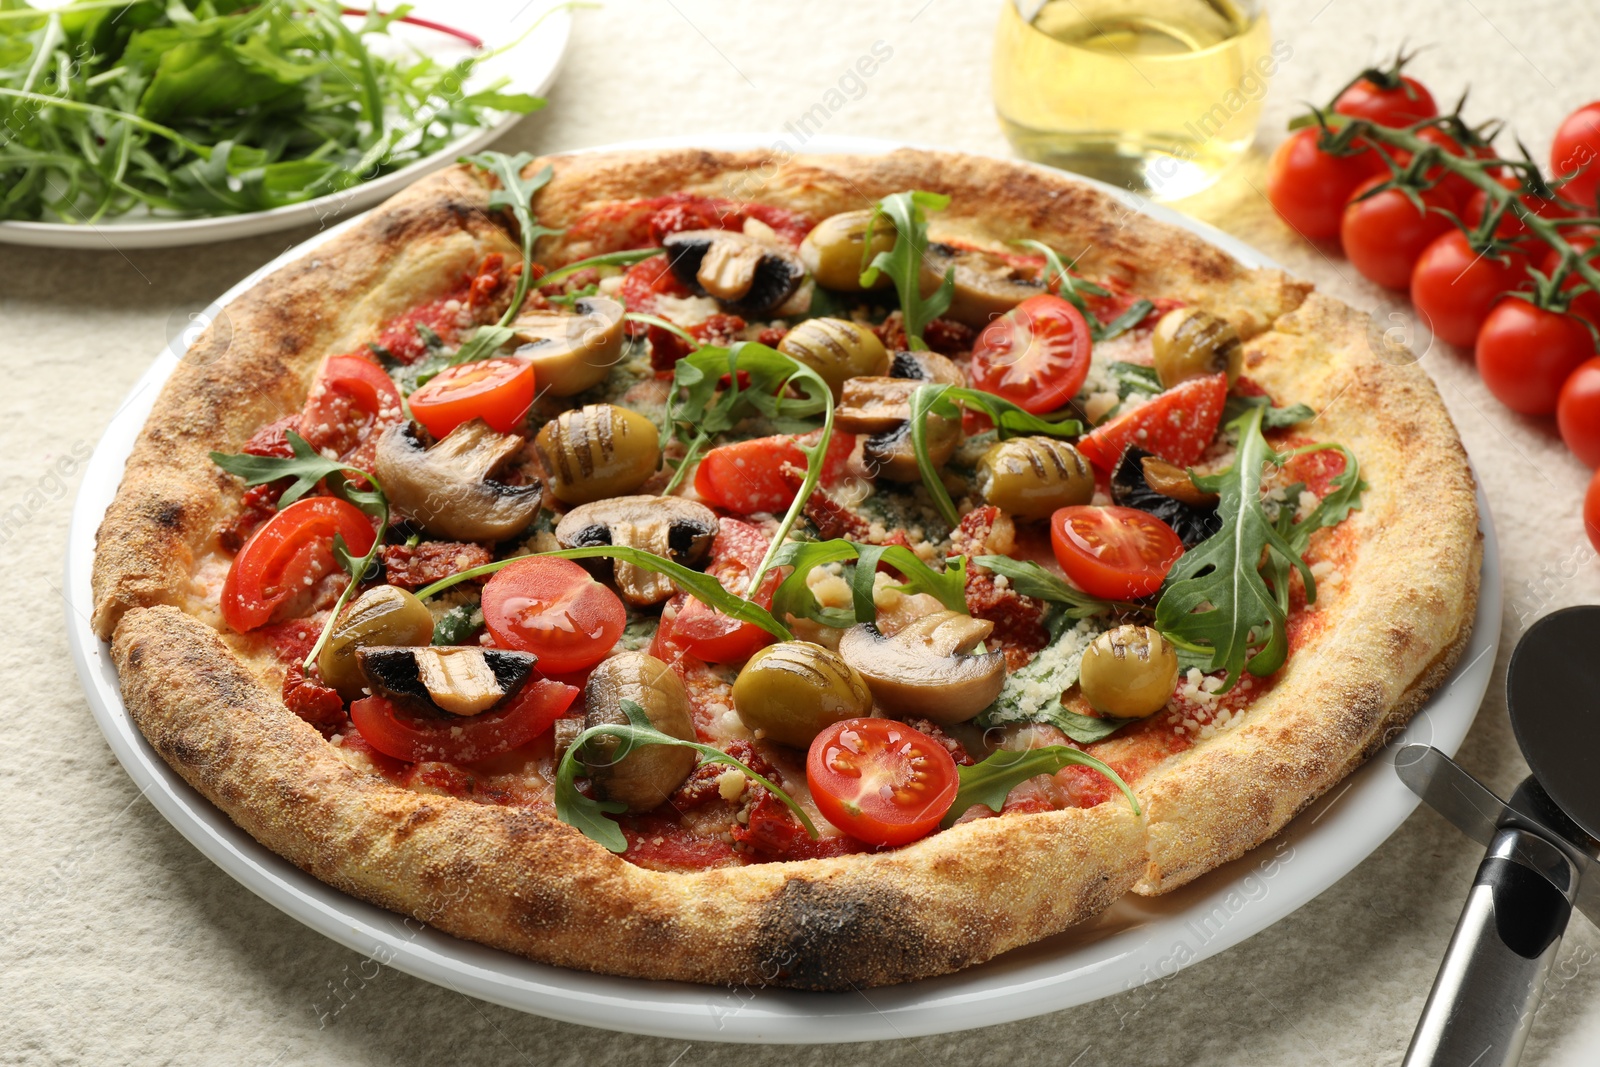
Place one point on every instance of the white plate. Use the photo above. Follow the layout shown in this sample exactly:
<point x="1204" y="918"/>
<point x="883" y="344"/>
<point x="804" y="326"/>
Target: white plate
<point x="531" y="66"/>
<point x="1135" y="941"/>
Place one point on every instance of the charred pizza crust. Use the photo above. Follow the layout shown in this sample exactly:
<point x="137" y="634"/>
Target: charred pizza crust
<point x="520" y="880"/>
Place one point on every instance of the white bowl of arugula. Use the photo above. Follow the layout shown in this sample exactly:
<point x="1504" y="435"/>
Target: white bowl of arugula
<point x="144" y="123"/>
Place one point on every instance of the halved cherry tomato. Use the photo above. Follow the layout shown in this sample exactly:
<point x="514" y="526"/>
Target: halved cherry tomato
<point x="1385" y="234"/>
<point x="1176" y="426"/>
<point x="747" y="476"/>
<point x="1578" y="412"/>
<point x="1575" y="155"/>
<point x="1591" y="511"/>
<point x="1453" y="285"/>
<point x="278" y="568"/>
<point x="1036" y="355"/>
<point x="498" y="391"/>
<point x="1400" y="104"/>
<point x="880" y="781"/>
<point x="395" y="732"/>
<point x="691" y="627"/>
<point x="1113" y="552"/>
<point x="554" y="609"/>
<point x="1309" y="187"/>
<point x="1525" y="353"/>
<point x="350" y="400"/>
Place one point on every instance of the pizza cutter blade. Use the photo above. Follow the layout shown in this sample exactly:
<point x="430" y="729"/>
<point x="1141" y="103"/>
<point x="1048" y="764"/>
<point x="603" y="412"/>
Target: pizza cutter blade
<point x="1542" y="849"/>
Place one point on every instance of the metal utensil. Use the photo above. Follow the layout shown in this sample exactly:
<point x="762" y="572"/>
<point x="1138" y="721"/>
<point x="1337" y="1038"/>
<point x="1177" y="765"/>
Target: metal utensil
<point x="1541" y="846"/>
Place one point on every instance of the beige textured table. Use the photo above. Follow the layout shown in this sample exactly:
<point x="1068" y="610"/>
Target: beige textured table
<point x="119" y="943"/>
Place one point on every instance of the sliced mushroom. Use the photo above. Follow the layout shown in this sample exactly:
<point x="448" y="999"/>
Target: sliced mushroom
<point x="750" y="277"/>
<point x="926" y="367"/>
<point x="450" y="488"/>
<point x="571" y="353"/>
<point x="892" y="455"/>
<point x="881" y="407"/>
<point x="670" y="526"/>
<point x="874" y="404"/>
<point x="986" y="284"/>
<point x="459" y="679"/>
<point x="1142" y="481"/>
<point x="923" y="670"/>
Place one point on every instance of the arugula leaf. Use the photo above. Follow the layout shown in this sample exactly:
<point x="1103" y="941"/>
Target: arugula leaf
<point x="1272" y="418"/>
<point x="794" y="596"/>
<point x="903" y="262"/>
<point x="702" y="587"/>
<point x="514" y="193"/>
<point x="1030" y="579"/>
<point x="1072" y="289"/>
<point x="1216" y="600"/>
<point x="946" y="401"/>
<point x="1085" y="729"/>
<point x="587" y="815"/>
<point x="624" y="258"/>
<point x="991" y="781"/>
<point x="307" y="467"/>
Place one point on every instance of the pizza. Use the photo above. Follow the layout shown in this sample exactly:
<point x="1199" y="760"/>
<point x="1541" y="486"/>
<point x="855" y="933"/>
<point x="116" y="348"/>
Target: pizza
<point x="820" y="572"/>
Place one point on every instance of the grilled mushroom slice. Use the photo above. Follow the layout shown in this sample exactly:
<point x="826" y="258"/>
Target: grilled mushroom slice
<point x="571" y="353"/>
<point x="1148" y="483"/>
<point x="670" y="526"/>
<point x="923" y="671"/>
<point x="450" y="488"/>
<point x="986" y="284"/>
<point x="642" y="777"/>
<point x="459" y="679"/>
<point x="748" y="276"/>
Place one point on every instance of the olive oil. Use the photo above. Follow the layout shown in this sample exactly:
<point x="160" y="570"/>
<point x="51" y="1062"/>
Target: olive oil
<point x="1156" y="96"/>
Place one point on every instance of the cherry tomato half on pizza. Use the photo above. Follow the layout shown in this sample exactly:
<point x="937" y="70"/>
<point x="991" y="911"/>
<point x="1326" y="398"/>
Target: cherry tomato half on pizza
<point x="284" y="561"/>
<point x="350" y="399"/>
<point x="498" y="391"/>
<point x="394" y="731"/>
<point x="554" y="609"/>
<point x="880" y="781"/>
<point x="692" y="627"/>
<point x="1114" y="553"/>
<point x="1036" y="355"/>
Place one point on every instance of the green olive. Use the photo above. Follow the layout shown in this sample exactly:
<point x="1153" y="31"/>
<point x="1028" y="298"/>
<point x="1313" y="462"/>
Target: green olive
<point x="1030" y="477"/>
<point x="640" y="776"/>
<point x="1129" y="672"/>
<point x="791" y="691"/>
<point x="597" y="451"/>
<point x="1189" y="343"/>
<point x="832" y="251"/>
<point x="837" y="350"/>
<point x="387" y="615"/>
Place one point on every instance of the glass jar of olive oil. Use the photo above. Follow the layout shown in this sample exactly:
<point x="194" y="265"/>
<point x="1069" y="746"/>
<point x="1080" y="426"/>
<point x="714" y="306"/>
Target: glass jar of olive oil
<point x="1155" y="96"/>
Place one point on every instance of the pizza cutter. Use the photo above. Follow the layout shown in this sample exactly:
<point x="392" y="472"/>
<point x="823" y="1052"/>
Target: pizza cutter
<point x="1542" y="849"/>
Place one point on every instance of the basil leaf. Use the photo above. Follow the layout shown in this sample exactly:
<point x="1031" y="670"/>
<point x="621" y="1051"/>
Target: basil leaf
<point x="587" y="814"/>
<point x="991" y="781"/>
<point x="903" y="262"/>
<point x="1030" y="579"/>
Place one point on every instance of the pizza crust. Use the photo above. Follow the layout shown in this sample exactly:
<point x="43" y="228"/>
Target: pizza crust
<point x="518" y="879"/>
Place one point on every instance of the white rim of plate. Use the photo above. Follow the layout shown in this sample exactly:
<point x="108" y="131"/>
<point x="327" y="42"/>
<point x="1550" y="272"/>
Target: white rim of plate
<point x="1137" y="940"/>
<point x="549" y="41"/>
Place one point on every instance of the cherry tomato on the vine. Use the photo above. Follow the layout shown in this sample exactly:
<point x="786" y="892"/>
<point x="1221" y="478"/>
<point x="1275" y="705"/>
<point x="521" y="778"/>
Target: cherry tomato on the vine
<point x="1511" y="225"/>
<point x="498" y="391"/>
<point x="1036" y="355"/>
<point x="1309" y="187"/>
<point x="880" y="781"/>
<point x="1114" y="553"/>
<point x="1575" y="155"/>
<point x="1453" y="286"/>
<point x="1525" y="354"/>
<point x="1401" y="104"/>
<point x="1586" y="305"/>
<point x="1578" y="412"/>
<point x="1385" y="234"/>
<point x="1459" y="189"/>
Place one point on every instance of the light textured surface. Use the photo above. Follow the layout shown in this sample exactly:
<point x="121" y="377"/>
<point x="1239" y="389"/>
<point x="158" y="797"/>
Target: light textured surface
<point x="120" y="944"/>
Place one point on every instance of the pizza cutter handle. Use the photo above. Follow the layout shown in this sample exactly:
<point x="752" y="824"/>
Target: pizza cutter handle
<point x="1483" y="1000"/>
